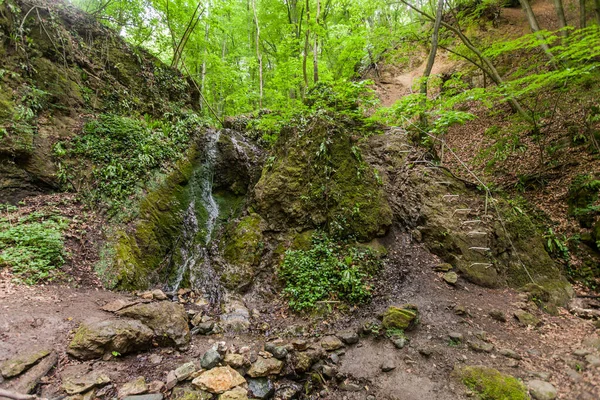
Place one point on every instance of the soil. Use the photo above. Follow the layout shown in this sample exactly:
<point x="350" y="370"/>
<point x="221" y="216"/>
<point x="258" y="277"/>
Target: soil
<point x="46" y="316"/>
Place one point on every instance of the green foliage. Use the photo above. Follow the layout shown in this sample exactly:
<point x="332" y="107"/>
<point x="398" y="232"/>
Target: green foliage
<point x="555" y="245"/>
<point x="125" y="151"/>
<point x="32" y="245"/>
<point x="328" y="271"/>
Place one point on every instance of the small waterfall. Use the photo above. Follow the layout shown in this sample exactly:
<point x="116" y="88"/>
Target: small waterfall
<point x="195" y="257"/>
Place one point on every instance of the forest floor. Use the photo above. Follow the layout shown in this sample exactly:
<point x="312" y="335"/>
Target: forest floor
<point x="45" y="316"/>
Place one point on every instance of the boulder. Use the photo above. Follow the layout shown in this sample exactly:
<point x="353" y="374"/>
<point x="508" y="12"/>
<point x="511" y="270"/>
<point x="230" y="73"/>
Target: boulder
<point x="260" y="388"/>
<point x="210" y="359"/>
<point x="265" y="367"/>
<point x="237" y="393"/>
<point x="348" y="336"/>
<point x="219" y="380"/>
<point x="489" y="383"/>
<point x="95" y="339"/>
<point x="235" y="360"/>
<point x="526" y="319"/>
<point x="80" y="384"/>
<point x="168" y="320"/>
<point x="136" y="386"/>
<point x="331" y="343"/>
<point x="236" y="317"/>
<point x="404" y="318"/>
<point x="541" y="390"/>
<point x="187" y="393"/>
<point x="15" y="366"/>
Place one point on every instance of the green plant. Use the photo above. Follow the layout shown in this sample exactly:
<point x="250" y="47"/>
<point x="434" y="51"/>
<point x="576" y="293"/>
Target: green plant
<point x="555" y="245"/>
<point x="328" y="271"/>
<point x="32" y="245"/>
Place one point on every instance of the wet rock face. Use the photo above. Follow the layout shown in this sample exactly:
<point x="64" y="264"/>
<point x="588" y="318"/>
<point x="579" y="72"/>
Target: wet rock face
<point x="97" y="339"/>
<point x="168" y="320"/>
<point x="239" y="163"/>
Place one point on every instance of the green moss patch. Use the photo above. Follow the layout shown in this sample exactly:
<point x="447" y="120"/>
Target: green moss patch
<point x="490" y="384"/>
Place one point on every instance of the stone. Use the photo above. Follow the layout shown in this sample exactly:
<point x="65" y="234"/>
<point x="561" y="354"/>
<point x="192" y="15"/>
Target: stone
<point x="497" y="315"/>
<point x="260" y="388"/>
<point x="331" y="343"/>
<point x="235" y="360"/>
<point x="203" y="328"/>
<point x="219" y="380"/>
<point x="123" y="336"/>
<point x="168" y="320"/>
<point x="265" y="367"/>
<point x="456" y="336"/>
<point x="388" y="365"/>
<point x="287" y="390"/>
<point x="279" y="352"/>
<point x="350" y="387"/>
<point x="404" y="318"/>
<point x="118" y="305"/>
<point x="171" y="380"/>
<point x="210" y="359"/>
<point x="541" y="390"/>
<point x="480" y="347"/>
<point x="158" y="294"/>
<point x="236" y="317"/>
<point x="573" y="375"/>
<point x="348" y="336"/>
<point x="443" y="267"/>
<point x="300" y="344"/>
<point x="581" y="352"/>
<point x="481" y="335"/>
<point x="490" y="383"/>
<point x="156" y="387"/>
<point x="153" y="396"/>
<point x="187" y="393"/>
<point x="425" y="351"/>
<point x="461" y="310"/>
<point x="136" y="386"/>
<point x="302" y="361"/>
<point x="450" y="278"/>
<point x="155" y="359"/>
<point x="329" y="371"/>
<point x="28" y="381"/>
<point x="592" y="342"/>
<point x="510" y="354"/>
<point x="545" y="376"/>
<point x="399" y="341"/>
<point x="184" y="371"/>
<point x="15" y="366"/>
<point x="237" y="393"/>
<point x="527" y="319"/>
<point x="593" y="360"/>
<point x="80" y="384"/>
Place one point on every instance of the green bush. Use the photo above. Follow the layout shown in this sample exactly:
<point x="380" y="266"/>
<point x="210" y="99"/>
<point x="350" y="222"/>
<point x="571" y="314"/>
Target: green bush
<point x="32" y="245"/>
<point x="329" y="270"/>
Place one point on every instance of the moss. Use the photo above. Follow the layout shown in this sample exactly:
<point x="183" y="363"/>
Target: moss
<point x="243" y="250"/>
<point x="318" y="178"/>
<point x="583" y="194"/>
<point x="490" y="384"/>
<point x="402" y="318"/>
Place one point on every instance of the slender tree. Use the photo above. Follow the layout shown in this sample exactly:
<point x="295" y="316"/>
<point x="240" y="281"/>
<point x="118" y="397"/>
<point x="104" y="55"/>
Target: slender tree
<point x="582" y="14"/>
<point x="258" y="55"/>
<point x="562" y="20"/>
<point x="535" y="28"/>
<point x="316" y="46"/>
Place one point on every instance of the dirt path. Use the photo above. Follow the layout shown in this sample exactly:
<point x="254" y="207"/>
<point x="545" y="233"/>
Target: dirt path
<point x="44" y="316"/>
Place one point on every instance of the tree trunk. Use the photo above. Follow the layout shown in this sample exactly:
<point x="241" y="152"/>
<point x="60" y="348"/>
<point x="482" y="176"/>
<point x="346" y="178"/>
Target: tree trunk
<point x="434" y="46"/>
<point x="489" y="69"/>
<point x="258" y="55"/>
<point x="535" y="28"/>
<point x="597" y="10"/>
<point x="562" y="20"/>
<point x="316" y="46"/>
<point x="582" y="14"/>
<point x="307" y="34"/>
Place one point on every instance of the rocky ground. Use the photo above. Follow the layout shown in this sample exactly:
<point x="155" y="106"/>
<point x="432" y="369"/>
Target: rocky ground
<point x="179" y="348"/>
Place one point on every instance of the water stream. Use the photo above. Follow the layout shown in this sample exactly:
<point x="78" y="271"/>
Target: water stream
<point x="195" y="260"/>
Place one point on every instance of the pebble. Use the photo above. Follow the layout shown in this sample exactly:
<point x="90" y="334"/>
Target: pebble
<point x="455" y="336"/>
<point x="497" y="315"/>
<point x="541" y="390"/>
<point x="509" y="353"/>
<point x="348" y="336"/>
<point x="210" y="359"/>
<point x="581" y="352"/>
<point x="593" y="360"/>
<point x="388" y="365"/>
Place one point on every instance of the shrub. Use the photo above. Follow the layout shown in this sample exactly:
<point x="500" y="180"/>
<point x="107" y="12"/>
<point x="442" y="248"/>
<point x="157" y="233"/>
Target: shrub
<point x="329" y="270"/>
<point x="32" y="245"/>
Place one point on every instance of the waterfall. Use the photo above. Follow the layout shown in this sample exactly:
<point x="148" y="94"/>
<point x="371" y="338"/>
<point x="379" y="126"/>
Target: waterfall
<point x="195" y="257"/>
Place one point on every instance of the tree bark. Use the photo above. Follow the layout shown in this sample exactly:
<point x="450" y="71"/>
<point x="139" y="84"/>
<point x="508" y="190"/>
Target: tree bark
<point x="535" y="28"/>
<point x="306" y="37"/>
<point x="562" y="20"/>
<point x="258" y="55"/>
<point x="597" y="10"/>
<point x="434" y="46"/>
<point x="582" y="14"/>
<point x="316" y="46"/>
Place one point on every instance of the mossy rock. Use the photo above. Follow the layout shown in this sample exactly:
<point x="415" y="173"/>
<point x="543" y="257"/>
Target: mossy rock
<point x="583" y="194"/>
<point x="317" y="178"/>
<point x="403" y="318"/>
<point x="491" y="384"/>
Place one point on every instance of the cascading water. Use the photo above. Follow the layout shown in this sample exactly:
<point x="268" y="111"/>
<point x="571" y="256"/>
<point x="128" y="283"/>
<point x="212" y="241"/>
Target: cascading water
<point x="194" y="254"/>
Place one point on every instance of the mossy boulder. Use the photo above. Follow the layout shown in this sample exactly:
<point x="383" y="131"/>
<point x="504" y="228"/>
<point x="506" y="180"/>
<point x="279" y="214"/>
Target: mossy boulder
<point x="403" y="318"/>
<point x="93" y="340"/>
<point x="491" y="384"/>
<point x="317" y="177"/>
<point x="583" y="199"/>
